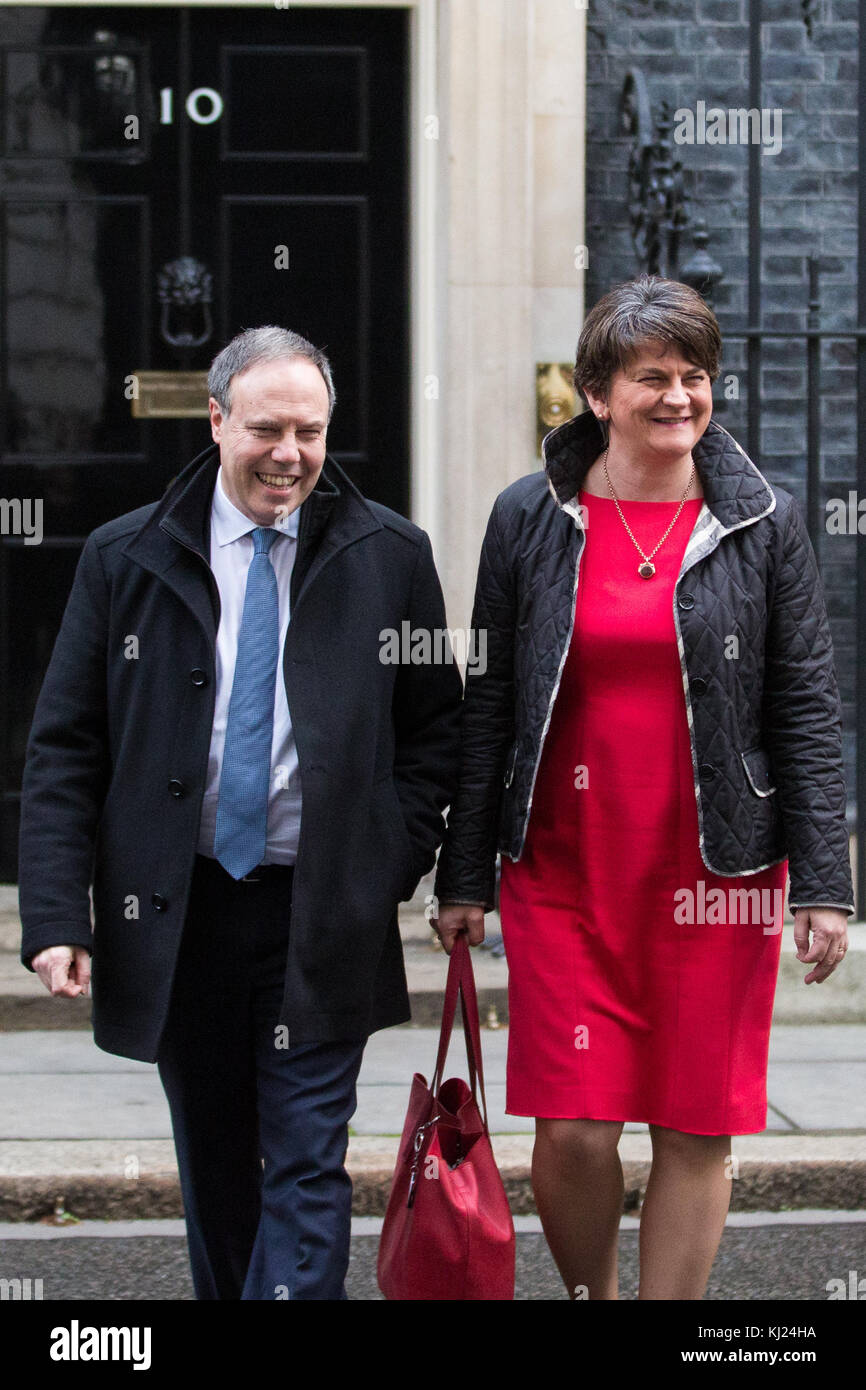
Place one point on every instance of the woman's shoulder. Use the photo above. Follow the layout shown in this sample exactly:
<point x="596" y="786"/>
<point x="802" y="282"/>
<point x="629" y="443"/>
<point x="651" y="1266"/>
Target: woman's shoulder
<point x="525" y="495"/>
<point x="527" y="486"/>
<point x="742" y="472"/>
<point x="526" y="510"/>
<point x="786" y="507"/>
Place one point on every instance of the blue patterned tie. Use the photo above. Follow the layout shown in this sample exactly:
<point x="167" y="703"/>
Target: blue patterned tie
<point x="242" y="807"/>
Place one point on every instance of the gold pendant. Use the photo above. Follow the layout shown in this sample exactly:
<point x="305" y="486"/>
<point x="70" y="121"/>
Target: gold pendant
<point x="646" y="570"/>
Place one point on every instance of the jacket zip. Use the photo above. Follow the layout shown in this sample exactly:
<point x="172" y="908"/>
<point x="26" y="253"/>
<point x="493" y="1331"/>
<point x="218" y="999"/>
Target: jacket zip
<point x="555" y="691"/>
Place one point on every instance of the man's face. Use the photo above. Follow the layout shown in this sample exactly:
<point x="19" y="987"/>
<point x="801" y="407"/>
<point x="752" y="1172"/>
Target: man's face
<point x="272" y="443"/>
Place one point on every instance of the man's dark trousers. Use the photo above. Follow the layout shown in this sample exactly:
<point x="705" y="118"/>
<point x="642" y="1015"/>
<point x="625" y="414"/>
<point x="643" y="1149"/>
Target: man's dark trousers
<point x="237" y="1096"/>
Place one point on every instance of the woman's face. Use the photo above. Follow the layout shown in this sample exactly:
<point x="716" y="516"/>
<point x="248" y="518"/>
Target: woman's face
<point x="659" y="404"/>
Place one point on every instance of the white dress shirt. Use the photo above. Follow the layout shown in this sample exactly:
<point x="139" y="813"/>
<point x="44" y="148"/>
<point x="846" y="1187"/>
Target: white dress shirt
<point x="231" y="550"/>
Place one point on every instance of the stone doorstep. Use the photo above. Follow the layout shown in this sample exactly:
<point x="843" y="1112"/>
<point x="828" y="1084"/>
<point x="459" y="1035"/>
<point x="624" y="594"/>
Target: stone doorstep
<point x="22" y="1014"/>
<point x="24" y="1004"/>
<point x="774" y="1173"/>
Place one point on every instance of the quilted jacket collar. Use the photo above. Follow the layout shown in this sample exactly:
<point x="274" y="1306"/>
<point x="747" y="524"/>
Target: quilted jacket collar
<point x="735" y="491"/>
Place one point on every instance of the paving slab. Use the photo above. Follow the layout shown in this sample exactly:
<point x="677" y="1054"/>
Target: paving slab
<point x="60" y="1085"/>
<point x="92" y="1105"/>
<point x="843" y="1042"/>
<point x="776" y="1121"/>
<point x="61" y="1053"/>
<point x="830" y="1096"/>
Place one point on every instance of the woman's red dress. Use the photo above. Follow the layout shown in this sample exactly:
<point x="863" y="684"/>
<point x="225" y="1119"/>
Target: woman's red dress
<point x="624" y="1003"/>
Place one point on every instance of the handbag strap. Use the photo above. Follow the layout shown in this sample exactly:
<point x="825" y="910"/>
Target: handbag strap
<point x="461" y="980"/>
<point x="472" y="1032"/>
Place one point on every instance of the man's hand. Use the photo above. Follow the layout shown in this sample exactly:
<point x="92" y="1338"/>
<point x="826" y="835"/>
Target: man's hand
<point x="455" y="918"/>
<point x="829" y="927"/>
<point x="64" y="970"/>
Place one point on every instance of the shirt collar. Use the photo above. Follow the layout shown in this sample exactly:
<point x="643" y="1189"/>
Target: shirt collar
<point x="230" y="523"/>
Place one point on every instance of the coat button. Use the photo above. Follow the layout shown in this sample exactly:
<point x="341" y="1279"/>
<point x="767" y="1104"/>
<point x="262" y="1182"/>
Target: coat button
<point x="686" y="600"/>
<point x="706" y="772"/>
<point x="159" y="902"/>
<point x="198" y="676"/>
<point x="699" y="686"/>
<point x="176" y="787"/>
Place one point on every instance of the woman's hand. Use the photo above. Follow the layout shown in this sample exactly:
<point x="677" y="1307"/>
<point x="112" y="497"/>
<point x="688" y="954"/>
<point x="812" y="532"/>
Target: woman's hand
<point x="829" y="927"/>
<point x="455" y="918"/>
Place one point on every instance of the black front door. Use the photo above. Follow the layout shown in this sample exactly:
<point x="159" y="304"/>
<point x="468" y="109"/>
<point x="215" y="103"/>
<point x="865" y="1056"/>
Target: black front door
<point x="169" y="176"/>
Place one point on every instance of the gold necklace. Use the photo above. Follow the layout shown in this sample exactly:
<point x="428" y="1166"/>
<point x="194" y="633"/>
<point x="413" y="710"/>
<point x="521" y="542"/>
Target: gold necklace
<point x="646" y="569"/>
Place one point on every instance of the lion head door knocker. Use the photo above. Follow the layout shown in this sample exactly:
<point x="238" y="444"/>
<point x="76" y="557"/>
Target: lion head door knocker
<point x="185" y="291"/>
<point x="114" y="73"/>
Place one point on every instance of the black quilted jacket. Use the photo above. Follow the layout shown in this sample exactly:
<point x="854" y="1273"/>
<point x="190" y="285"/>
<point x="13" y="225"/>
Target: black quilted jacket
<point x="765" y="724"/>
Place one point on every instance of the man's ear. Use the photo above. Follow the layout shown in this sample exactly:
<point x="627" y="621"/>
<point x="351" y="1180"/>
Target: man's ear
<point x="217" y="419"/>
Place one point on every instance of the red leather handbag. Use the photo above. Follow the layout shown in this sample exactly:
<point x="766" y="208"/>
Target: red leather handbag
<point x="448" y="1232"/>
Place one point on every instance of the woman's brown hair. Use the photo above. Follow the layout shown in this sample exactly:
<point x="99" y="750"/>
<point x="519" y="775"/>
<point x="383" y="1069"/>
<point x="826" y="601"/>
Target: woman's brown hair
<point x="629" y="315"/>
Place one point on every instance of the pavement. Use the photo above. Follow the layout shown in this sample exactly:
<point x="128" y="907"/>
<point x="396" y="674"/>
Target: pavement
<point x="87" y="1132"/>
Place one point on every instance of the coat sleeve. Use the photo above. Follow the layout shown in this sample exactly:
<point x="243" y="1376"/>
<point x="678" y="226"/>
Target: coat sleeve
<point x="803" y="727"/>
<point x="426" y="716"/>
<point x="467" y="864"/>
<point x="66" y="773"/>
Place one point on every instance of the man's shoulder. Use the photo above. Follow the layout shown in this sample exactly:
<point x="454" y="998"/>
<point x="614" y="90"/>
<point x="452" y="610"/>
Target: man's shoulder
<point x="357" y="502"/>
<point x="400" y="525"/>
<point x="122" y="526"/>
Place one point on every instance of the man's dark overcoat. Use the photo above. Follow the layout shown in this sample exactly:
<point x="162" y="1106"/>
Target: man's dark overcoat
<point x="118" y="754"/>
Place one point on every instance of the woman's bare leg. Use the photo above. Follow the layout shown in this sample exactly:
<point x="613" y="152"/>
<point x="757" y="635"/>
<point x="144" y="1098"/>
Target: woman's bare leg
<point x="684" y="1212"/>
<point x="578" y="1186"/>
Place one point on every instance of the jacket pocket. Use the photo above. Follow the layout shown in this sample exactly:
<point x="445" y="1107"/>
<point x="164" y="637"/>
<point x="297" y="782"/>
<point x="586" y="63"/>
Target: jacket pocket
<point x="509" y="767"/>
<point x="394" y="812"/>
<point x="757" y="764"/>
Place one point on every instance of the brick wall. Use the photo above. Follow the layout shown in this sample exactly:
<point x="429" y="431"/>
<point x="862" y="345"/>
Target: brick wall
<point x="697" y="50"/>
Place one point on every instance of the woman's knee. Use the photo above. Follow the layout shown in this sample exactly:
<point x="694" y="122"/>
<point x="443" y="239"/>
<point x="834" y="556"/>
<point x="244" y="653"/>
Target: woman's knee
<point x="577" y="1141"/>
<point x="689" y="1150"/>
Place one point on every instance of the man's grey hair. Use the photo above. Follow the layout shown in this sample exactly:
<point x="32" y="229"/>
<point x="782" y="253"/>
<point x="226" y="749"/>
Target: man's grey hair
<point x="265" y="344"/>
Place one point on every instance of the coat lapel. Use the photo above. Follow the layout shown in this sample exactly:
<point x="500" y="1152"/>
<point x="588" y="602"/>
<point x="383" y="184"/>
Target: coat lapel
<point x="333" y="516"/>
<point x="174" y="542"/>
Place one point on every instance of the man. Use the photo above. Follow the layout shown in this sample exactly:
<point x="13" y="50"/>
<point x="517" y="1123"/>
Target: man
<point x="220" y="750"/>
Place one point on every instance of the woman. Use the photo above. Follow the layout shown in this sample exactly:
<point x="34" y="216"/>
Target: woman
<point x="657" y="731"/>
